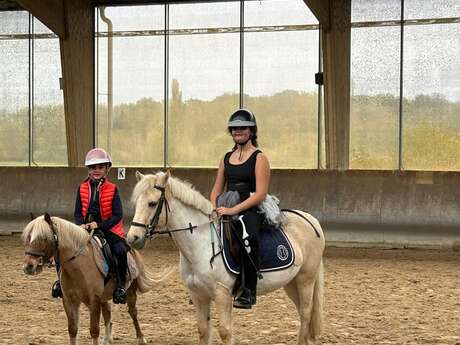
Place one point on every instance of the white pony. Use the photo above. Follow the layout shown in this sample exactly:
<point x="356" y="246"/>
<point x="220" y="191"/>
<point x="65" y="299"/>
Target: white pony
<point x="175" y="205"/>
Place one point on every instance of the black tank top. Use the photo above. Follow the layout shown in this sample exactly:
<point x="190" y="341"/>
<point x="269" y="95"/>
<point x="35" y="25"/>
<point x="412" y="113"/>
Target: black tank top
<point x="241" y="177"/>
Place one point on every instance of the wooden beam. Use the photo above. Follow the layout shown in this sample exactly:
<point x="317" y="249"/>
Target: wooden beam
<point x="77" y="59"/>
<point x="336" y="56"/>
<point x="49" y="12"/>
<point x="321" y="10"/>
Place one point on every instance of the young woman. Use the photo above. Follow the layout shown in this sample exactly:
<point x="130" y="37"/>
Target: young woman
<point x="244" y="169"/>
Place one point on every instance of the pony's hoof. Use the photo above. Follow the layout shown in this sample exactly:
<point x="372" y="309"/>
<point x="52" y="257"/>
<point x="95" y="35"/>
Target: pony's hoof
<point x="107" y="341"/>
<point x="141" y="341"/>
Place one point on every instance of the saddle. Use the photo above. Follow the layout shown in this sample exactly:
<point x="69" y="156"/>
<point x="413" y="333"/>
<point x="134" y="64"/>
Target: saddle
<point x="276" y="252"/>
<point x="105" y="261"/>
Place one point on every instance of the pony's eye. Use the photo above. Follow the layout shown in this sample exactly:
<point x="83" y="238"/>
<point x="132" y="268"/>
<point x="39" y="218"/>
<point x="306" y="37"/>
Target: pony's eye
<point x="152" y="204"/>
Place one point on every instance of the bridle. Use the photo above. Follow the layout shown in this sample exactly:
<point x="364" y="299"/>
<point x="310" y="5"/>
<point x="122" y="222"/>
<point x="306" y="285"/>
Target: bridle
<point x="150" y="229"/>
<point x="46" y="259"/>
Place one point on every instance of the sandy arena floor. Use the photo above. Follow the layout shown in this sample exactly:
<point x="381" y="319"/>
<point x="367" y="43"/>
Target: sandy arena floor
<point x="372" y="296"/>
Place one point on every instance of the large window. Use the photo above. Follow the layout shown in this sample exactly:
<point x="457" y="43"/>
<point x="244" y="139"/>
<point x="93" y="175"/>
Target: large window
<point x="130" y="84"/>
<point x="32" y="129"/>
<point x="203" y="81"/>
<point x="279" y="85"/>
<point x="195" y="70"/>
<point x="405" y="103"/>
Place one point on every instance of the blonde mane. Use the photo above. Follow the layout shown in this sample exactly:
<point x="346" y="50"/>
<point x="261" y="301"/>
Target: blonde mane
<point x="181" y="190"/>
<point x="69" y="235"/>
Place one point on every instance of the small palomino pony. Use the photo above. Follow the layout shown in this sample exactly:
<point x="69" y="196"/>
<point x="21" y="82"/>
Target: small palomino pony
<point x="82" y="282"/>
<point x="167" y="202"/>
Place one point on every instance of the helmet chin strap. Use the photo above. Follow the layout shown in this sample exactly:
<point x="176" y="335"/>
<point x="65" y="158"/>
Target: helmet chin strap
<point x="241" y="146"/>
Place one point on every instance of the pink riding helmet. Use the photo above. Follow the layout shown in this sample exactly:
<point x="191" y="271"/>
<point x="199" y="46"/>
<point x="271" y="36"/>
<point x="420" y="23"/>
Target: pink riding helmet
<point x="97" y="156"/>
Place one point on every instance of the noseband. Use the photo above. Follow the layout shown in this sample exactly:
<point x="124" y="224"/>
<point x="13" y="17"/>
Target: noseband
<point x="150" y="228"/>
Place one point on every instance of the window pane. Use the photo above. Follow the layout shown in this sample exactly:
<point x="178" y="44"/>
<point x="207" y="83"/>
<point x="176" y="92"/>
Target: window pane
<point x="14" y="22"/>
<point x="48" y="121"/>
<point x="277" y="12"/>
<point x="375" y="10"/>
<point x="431" y="97"/>
<point x="40" y="28"/>
<point x="204" y="15"/>
<point x="281" y="92"/>
<point x="374" y="114"/>
<point x="204" y="84"/>
<point x="138" y="101"/>
<point x="137" y="119"/>
<point x="133" y="18"/>
<point x="418" y="9"/>
<point x="14" y="89"/>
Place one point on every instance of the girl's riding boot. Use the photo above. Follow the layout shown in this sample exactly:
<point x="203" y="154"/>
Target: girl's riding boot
<point x="56" y="290"/>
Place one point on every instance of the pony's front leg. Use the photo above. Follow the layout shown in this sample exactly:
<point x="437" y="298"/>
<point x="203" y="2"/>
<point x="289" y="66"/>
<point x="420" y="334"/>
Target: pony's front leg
<point x="132" y="310"/>
<point x="203" y="306"/>
<point x="224" y="306"/>
<point x="107" y="315"/>
<point x="94" y="318"/>
<point x="72" y="312"/>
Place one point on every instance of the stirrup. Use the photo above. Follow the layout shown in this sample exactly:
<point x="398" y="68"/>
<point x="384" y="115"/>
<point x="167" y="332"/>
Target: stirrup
<point x="119" y="295"/>
<point x="56" y="291"/>
<point x="245" y="300"/>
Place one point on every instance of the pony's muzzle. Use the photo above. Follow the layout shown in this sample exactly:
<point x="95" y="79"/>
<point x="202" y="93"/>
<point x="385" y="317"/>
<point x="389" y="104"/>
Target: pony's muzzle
<point x="136" y="242"/>
<point x="29" y="268"/>
<point x="32" y="266"/>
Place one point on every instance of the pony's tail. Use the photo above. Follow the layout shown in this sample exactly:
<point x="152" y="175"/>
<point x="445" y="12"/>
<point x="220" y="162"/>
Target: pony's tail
<point x="316" y="321"/>
<point x="145" y="280"/>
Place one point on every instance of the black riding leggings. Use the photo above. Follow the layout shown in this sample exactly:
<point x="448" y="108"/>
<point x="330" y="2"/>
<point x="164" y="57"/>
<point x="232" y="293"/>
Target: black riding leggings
<point x="252" y="221"/>
<point x="119" y="251"/>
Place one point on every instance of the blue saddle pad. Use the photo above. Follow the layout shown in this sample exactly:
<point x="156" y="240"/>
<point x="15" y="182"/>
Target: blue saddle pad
<point x="276" y="252"/>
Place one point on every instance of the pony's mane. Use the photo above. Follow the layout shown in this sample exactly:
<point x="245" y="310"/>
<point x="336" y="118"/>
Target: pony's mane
<point x="69" y="235"/>
<point x="186" y="193"/>
<point x="181" y="190"/>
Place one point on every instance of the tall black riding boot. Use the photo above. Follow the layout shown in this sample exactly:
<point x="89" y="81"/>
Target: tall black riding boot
<point x="246" y="296"/>
<point x="119" y="294"/>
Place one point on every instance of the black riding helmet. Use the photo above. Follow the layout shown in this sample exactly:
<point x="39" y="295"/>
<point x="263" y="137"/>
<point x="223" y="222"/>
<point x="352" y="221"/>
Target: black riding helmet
<point x="242" y="118"/>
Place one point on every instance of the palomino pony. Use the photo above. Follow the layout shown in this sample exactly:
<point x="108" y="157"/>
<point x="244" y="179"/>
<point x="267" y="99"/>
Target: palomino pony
<point x="82" y="282"/>
<point x="167" y="202"/>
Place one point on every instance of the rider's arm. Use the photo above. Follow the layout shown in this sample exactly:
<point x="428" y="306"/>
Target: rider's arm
<point x="219" y="184"/>
<point x="262" y="172"/>
<point x="117" y="213"/>
<point x="78" y="213"/>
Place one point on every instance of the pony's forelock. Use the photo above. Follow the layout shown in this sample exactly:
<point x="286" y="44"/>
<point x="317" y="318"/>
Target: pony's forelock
<point x="147" y="182"/>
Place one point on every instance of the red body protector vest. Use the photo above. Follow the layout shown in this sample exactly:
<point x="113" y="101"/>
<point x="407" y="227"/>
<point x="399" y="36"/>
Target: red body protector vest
<point x="106" y="194"/>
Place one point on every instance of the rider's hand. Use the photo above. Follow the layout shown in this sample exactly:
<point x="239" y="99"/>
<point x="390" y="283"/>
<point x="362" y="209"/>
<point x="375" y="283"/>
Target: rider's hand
<point x="226" y="211"/>
<point x="92" y="226"/>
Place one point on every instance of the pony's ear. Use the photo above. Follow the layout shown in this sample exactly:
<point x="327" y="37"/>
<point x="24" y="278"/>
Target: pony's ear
<point x="32" y="216"/>
<point x="139" y="176"/>
<point x="165" y="177"/>
<point x="48" y="218"/>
